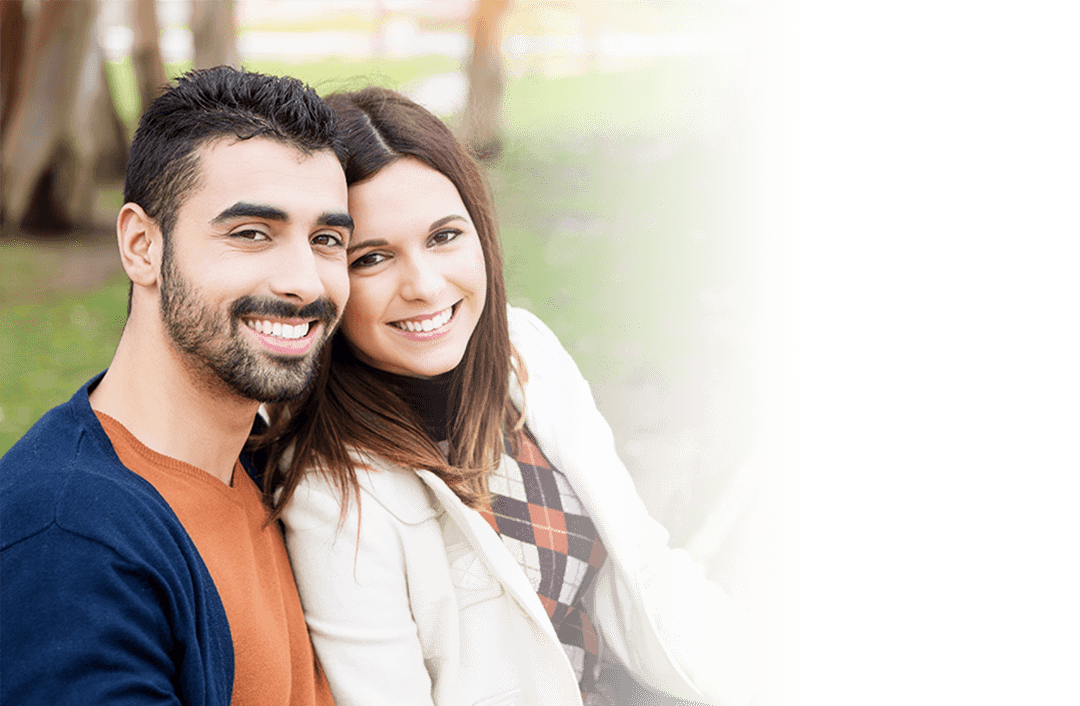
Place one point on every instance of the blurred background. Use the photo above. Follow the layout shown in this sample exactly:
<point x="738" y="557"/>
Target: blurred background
<point x="616" y="136"/>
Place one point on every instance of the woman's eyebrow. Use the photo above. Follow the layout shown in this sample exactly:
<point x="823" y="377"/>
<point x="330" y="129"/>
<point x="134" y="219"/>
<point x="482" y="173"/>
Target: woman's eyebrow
<point x="379" y="242"/>
<point x="446" y="219"/>
<point x="373" y="243"/>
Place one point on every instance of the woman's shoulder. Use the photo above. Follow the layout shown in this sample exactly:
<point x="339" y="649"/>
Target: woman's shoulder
<point x="533" y="339"/>
<point x="545" y="357"/>
<point x="526" y="327"/>
<point x="402" y="493"/>
<point x="398" y="491"/>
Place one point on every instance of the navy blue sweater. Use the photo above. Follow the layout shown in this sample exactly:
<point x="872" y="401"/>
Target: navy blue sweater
<point x="103" y="597"/>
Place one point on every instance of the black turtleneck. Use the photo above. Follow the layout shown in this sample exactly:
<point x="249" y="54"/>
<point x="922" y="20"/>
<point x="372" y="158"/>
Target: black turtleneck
<point x="428" y="397"/>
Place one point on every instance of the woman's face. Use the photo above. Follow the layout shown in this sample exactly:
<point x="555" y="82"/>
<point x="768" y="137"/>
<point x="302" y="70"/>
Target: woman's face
<point x="416" y="271"/>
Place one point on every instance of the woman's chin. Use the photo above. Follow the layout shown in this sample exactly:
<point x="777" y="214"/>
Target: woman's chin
<point x="430" y="371"/>
<point x="416" y="369"/>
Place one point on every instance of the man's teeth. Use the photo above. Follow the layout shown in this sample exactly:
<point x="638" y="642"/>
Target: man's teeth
<point x="280" y="330"/>
<point x="437" y="321"/>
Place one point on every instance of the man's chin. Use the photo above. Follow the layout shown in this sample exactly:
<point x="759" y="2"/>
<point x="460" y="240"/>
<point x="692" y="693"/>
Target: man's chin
<point x="268" y="380"/>
<point x="274" y="388"/>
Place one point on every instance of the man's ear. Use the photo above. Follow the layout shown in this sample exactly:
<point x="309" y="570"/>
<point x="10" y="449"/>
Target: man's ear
<point x="141" y="244"/>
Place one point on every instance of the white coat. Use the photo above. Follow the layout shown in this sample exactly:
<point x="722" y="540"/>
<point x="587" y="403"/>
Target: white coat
<point x="424" y="605"/>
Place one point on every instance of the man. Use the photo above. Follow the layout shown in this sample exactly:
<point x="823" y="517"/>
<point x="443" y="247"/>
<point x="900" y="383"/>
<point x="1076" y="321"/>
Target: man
<point x="138" y="566"/>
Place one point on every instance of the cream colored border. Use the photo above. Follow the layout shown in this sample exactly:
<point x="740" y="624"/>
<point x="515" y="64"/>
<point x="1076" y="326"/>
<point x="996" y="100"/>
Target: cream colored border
<point x="773" y="268"/>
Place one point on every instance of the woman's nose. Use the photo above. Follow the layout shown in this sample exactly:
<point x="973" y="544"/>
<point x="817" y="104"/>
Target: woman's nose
<point x="422" y="279"/>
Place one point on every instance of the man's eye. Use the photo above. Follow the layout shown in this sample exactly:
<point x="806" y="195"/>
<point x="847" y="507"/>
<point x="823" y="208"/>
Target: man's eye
<point x="369" y="259"/>
<point x="444" y="236"/>
<point x="331" y="239"/>
<point x="250" y="234"/>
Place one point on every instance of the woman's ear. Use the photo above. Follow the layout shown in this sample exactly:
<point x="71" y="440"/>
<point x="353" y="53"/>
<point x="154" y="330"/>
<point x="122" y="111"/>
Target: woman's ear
<point x="140" y="242"/>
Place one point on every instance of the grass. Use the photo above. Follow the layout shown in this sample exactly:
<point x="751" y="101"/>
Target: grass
<point x="51" y="347"/>
<point x="619" y="214"/>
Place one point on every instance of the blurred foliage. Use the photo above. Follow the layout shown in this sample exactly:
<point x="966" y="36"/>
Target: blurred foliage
<point x="325" y="75"/>
<point x="657" y="100"/>
<point x="622" y="249"/>
<point x="619" y="212"/>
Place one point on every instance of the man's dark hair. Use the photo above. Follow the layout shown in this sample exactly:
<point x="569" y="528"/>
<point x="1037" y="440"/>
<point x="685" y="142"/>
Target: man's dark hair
<point x="163" y="164"/>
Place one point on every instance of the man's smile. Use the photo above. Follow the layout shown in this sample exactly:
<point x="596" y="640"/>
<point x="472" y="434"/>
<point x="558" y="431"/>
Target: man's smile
<point x="279" y="329"/>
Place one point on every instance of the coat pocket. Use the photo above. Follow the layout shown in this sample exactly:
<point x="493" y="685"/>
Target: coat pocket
<point x="472" y="579"/>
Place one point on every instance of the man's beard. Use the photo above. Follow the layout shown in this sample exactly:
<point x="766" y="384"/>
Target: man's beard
<point x="205" y="335"/>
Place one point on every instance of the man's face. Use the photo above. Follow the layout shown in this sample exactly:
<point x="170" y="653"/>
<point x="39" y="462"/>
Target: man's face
<point x="255" y="275"/>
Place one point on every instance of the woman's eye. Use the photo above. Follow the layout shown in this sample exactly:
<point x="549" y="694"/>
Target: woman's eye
<point x="368" y="260"/>
<point x="444" y="236"/>
<point x="331" y="239"/>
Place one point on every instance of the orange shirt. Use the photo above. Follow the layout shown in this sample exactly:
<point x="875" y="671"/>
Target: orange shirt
<point x="273" y="659"/>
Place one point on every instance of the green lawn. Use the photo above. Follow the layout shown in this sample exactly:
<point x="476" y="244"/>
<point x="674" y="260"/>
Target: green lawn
<point x="619" y="214"/>
<point x="52" y="345"/>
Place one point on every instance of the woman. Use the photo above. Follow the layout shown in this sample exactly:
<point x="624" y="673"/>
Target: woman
<point x="461" y="528"/>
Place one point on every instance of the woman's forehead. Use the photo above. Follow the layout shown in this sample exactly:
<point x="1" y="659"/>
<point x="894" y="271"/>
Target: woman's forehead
<point x="406" y="190"/>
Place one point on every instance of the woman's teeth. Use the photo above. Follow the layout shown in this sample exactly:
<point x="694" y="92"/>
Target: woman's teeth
<point x="423" y="325"/>
<point x="280" y="330"/>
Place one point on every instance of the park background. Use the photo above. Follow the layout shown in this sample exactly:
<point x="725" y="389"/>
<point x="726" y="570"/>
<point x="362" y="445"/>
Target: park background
<point x="628" y="184"/>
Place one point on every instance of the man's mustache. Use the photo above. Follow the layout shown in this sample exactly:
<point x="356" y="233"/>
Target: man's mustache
<point x="248" y="307"/>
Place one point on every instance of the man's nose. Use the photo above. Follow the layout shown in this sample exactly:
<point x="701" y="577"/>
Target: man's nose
<point x="296" y="273"/>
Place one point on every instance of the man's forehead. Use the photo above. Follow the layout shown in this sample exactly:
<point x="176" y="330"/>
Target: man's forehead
<point x="263" y="170"/>
<point x="229" y="143"/>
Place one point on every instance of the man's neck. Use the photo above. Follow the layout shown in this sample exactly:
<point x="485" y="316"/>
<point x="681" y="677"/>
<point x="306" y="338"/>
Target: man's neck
<point x="182" y="413"/>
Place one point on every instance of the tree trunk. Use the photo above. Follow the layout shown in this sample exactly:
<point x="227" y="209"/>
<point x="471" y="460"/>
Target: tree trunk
<point x="146" y="52"/>
<point x="378" y="34"/>
<point x="64" y="135"/>
<point x="213" y="31"/>
<point x="12" y="40"/>
<point x="482" y="124"/>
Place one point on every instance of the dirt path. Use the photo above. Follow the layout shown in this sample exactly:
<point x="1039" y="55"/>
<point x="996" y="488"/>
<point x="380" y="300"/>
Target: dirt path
<point x="682" y="428"/>
<point x="38" y="266"/>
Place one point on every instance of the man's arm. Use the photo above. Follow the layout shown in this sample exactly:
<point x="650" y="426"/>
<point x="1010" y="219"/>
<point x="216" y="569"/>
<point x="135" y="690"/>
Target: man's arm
<point x="81" y="624"/>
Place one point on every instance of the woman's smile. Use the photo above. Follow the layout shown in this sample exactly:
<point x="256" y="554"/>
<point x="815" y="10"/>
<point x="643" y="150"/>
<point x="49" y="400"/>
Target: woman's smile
<point x="426" y="324"/>
<point x="418" y="282"/>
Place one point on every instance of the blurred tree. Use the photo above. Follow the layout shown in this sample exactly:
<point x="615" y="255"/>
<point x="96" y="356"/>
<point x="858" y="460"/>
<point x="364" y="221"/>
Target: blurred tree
<point x="12" y="38"/>
<point x="482" y="125"/>
<point x="61" y="135"/>
<point x="378" y="35"/>
<point x="146" y="52"/>
<point x="213" y="31"/>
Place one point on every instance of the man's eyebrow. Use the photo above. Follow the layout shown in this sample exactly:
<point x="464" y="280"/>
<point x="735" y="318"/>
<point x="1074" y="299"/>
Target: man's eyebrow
<point x="337" y="220"/>
<point x="242" y="209"/>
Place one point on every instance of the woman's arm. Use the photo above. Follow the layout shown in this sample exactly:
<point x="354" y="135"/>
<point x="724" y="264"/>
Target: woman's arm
<point x="354" y="585"/>
<point x="669" y="625"/>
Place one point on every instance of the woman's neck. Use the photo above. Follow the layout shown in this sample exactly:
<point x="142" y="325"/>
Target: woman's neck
<point x="428" y="397"/>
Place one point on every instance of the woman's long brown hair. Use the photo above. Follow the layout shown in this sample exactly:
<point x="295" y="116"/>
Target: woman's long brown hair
<point x="349" y="409"/>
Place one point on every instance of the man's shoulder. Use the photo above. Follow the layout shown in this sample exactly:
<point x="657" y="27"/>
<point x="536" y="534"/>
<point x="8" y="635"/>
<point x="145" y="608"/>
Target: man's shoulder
<point x="64" y="473"/>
